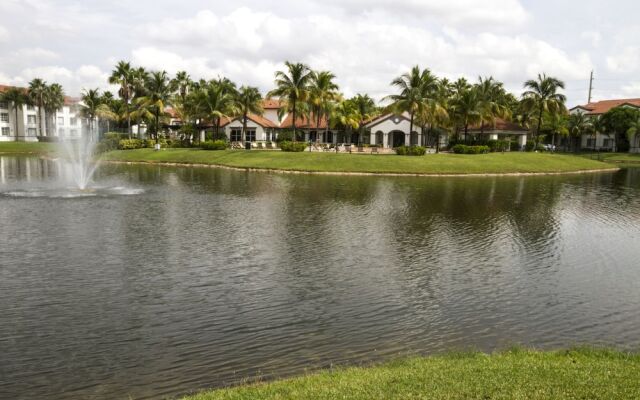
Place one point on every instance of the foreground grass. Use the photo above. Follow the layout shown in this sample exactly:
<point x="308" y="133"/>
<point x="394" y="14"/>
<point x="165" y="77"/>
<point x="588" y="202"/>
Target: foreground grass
<point x="331" y="162"/>
<point x="35" y="148"/>
<point x="516" y="374"/>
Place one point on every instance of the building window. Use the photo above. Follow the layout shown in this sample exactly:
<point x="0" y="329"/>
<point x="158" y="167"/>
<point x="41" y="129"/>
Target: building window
<point x="591" y="143"/>
<point x="607" y="143"/>
<point x="30" y="107"/>
<point x="236" y="135"/>
<point x="60" y="120"/>
<point x="4" y="105"/>
<point x="5" y="131"/>
<point x="31" y="119"/>
<point x="73" y="121"/>
<point x="250" y="135"/>
<point x="4" y="117"/>
<point x="31" y="132"/>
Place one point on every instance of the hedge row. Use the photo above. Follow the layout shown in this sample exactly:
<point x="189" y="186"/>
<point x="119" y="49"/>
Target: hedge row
<point x="292" y="146"/>
<point x="410" y="150"/>
<point x="464" y="149"/>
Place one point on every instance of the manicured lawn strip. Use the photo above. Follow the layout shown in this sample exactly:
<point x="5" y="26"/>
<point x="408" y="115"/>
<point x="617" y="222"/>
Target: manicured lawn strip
<point x="331" y="162"/>
<point x="35" y="148"/>
<point x="516" y="374"/>
<point x="622" y="157"/>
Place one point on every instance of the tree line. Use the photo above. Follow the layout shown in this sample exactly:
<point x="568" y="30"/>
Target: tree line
<point x="436" y="105"/>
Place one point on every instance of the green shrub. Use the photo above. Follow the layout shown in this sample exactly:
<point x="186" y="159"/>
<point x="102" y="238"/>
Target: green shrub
<point x="292" y="146"/>
<point x="48" y="139"/>
<point x="131" y="144"/>
<point x="530" y="145"/>
<point x="464" y="149"/>
<point x="213" y="145"/>
<point x="410" y="150"/>
<point x="498" y="145"/>
<point x="151" y="143"/>
<point x="514" y="146"/>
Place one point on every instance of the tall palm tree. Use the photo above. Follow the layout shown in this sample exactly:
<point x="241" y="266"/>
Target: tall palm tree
<point x="37" y="94"/>
<point x="416" y="89"/>
<point x="214" y="101"/>
<point x="158" y="91"/>
<point x="557" y="125"/>
<point x="322" y="92"/>
<point x="292" y="87"/>
<point x="183" y="83"/>
<point x="542" y="96"/>
<point x="466" y="109"/>
<point x="18" y="98"/>
<point x="54" y="100"/>
<point x="123" y="75"/>
<point x="248" y="100"/>
<point x="493" y="101"/>
<point x="366" y="109"/>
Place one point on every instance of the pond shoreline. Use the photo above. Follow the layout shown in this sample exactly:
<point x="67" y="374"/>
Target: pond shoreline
<point x="347" y="173"/>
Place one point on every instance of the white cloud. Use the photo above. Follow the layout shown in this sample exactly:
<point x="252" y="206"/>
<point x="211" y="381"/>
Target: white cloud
<point x="593" y="37"/>
<point x="4" y="34"/>
<point x="34" y="54"/>
<point x="625" y="60"/>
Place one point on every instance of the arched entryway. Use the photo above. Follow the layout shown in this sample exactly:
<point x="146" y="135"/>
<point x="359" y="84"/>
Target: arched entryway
<point x="397" y="138"/>
<point x="379" y="138"/>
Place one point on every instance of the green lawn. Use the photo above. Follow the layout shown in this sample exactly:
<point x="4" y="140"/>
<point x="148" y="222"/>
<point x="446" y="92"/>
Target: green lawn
<point x="516" y="374"/>
<point x="331" y="162"/>
<point x="27" y="148"/>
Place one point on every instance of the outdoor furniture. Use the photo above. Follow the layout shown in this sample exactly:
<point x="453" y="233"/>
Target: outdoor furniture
<point x="347" y="148"/>
<point x="269" y="146"/>
<point x="260" y="146"/>
<point x="360" y="149"/>
<point x="374" y="150"/>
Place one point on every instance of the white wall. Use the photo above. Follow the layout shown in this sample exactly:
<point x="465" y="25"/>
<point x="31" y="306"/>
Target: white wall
<point x="237" y="124"/>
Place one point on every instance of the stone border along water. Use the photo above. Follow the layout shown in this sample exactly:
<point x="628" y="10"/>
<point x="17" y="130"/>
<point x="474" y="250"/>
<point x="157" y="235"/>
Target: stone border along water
<point x="336" y="173"/>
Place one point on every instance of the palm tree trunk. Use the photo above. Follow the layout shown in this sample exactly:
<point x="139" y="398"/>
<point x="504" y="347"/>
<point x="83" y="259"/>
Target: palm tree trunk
<point x="126" y="102"/>
<point x="15" y="107"/>
<point x="294" y="120"/>
<point x="535" y="140"/>
<point x="244" y="129"/>
<point x="410" y="128"/>
<point x="157" y="125"/>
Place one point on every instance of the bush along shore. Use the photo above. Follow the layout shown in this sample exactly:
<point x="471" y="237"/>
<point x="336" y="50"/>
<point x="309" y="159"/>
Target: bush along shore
<point x="517" y="374"/>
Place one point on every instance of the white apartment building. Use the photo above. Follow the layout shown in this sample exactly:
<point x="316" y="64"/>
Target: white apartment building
<point x="29" y="124"/>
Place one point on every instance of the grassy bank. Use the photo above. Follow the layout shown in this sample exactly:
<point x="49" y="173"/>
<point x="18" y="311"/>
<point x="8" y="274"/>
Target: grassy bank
<point x="495" y="163"/>
<point x="34" y="148"/>
<point x="516" y="374"/>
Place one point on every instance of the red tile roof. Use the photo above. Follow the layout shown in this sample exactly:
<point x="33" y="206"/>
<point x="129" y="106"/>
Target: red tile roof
<point x="601" y="107"/>
<point x="303" y="122"/>
<point x="500" y="125"/>
<point x="258" y="119"/>
<point x="271" y="104"/>
<point x="68" y="101"/>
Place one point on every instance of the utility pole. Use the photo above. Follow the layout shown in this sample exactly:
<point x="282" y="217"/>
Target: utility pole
<point x="590" y="86"/>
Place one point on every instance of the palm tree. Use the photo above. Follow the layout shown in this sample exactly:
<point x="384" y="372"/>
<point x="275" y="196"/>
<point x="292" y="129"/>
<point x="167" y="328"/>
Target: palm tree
<point x="410" y="99"/>
<point x="214" y="101"/>
<point x="366" y="109"/>
<point x="123" y="75"/>
<point x="466" y="109"/>
<point x="183" y="83"/>
<point x="248" y="100"/>
<point x="634" y="129"/>
<point x="323" y="91"/>
<point x="54" y="100"/>
<point x="492" y="99"/>
<point x="18" y="98"/>
<point x="345" y="116"/>
<point x="292" y="87"/>
<point x="557" y="124"/>
<point x="37" y="94"/>
<point x="579" y="124"/>
<point x="542" y="96"/>
<point x="90" y="102"/>
<point x="158" y="90"/>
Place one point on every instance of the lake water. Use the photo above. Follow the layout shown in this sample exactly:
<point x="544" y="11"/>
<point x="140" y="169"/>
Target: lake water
<point x="198" y="277"/>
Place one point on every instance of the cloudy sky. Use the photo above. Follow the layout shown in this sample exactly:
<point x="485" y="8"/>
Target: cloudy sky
<point x="364" y="42"/>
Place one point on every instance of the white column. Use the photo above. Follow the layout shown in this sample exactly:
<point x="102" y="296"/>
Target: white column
<point x="522" y="140"/>
<point x="407" y="139"/>
<point x="372" y="138"/>
<point x="385" y="140"/>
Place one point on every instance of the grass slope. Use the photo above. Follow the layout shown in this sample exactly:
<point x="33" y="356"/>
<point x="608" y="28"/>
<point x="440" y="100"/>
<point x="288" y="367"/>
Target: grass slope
<point x="331" y="162"/>
<point x="27" y="148"/>
<point x="516" y="374"/>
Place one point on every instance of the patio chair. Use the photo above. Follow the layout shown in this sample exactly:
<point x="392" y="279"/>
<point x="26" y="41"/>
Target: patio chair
<point x="269" y="146"/>
<point x="260" y="146"/>
<point x="374" y="150"/>
<point x="360" y="149"/>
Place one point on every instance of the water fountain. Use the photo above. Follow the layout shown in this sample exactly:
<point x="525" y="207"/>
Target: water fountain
<point x="74" y="167"/>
